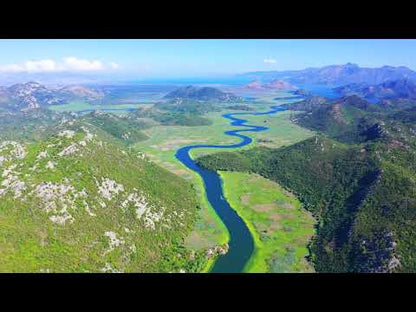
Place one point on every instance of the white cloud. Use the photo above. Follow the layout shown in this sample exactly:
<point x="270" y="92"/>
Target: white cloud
<point x="66" y="64"/>
<point x="39" y="66"/>
<point x="269" y="61"/>
<point x="73" y="63"/>
<point x="114" y="65"/>
<point x="11" y="68"/>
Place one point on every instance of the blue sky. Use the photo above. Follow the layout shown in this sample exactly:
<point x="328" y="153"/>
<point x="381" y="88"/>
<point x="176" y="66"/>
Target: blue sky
<point x="193" y="58"/>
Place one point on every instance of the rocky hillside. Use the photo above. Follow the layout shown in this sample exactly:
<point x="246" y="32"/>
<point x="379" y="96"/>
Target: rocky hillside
<point x="79" y="202"/>
<point x="392" y="89"/>
<point x="32" y="95"/>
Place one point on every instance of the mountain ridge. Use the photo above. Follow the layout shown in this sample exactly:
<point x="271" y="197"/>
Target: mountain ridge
<point x="202" y="94"/>
<point x="33" y="95"/>
<point x="337" y="74"/>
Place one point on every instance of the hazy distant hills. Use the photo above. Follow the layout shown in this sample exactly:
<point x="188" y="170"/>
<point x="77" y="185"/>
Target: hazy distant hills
<point x="393" y="89"/>
<point x="336" y="75"/>
<point x="202" y="94"/>
<point x="32" y="95"/>
<point x="276" y="84"/>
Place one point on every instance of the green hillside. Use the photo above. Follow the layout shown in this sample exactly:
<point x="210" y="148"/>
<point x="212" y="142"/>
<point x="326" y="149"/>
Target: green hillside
<point x="358" y="181"/>
<point x="78" y="202"/>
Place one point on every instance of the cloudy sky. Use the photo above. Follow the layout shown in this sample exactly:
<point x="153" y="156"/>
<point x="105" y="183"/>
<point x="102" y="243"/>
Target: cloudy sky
<point x="193" y="58"/>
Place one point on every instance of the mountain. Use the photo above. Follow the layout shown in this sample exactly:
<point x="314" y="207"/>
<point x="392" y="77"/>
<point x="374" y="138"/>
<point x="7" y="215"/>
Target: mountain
<point x="392" y="89"/>
<point x="344" y="119"/>
<point x="202" y="94"/>
<point x="280" y="85"/>
<point x="78" y="91"/>
<point x="77" y="201"/>
<point x="276" y="84"/>
<point x="337" y="75"/>
<point x="307" y="104"/>
<point x="32" y="95"/>
<point x="255" y="85"/>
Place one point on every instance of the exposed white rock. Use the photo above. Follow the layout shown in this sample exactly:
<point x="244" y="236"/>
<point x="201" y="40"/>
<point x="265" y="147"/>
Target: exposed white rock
<point x="151" y="218"/>
<point x="87" y="209"/>
<point x="114" y="241"/>
<point x="58" y="199"/>
<point x="51" y="193"/>
<point x="144" y="210"/>
<point x="138" y="201"/>
<point x="62" y="218"/>
<point x="132" y="248"/>
<point x="11" y="183"/>
<point x="88" y="137"/>
<point x="69" y="150"/>
<point x="109" y="188"/>
<point x="13" y="149"/>
<point x="41" y="155"/>
<point x="108" y="268"/>
<point x="51" y="165"/>
<point x="141" y="155"/>
<point x="69" y="134"/>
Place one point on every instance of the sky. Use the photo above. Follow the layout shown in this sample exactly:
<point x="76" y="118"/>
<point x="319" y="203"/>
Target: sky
<point x="172" y="58"/>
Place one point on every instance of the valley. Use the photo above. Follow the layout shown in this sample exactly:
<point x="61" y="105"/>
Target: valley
<point x="159" y="142"/>
<point x="288" y="172"/>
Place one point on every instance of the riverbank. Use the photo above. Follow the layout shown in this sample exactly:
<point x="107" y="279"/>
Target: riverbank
<point x="281" y="228"/>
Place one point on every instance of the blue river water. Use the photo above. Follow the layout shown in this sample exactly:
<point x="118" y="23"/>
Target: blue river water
<point x="241" y="244"/>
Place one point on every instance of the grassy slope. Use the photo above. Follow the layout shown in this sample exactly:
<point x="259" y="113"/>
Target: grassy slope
<point x="31" y="242"/>
<point x="280" y="226"/>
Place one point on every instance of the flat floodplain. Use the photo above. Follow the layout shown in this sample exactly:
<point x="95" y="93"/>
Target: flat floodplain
<point x="77" y="106"/>
<point x="281" y="228"/>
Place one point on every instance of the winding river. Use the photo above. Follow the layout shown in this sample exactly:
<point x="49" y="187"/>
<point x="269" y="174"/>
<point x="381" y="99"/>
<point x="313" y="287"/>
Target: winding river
<point x="241" y="244"/>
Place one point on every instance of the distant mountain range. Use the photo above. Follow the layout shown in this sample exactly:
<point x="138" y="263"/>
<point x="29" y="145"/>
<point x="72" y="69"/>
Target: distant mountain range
<point x="202" y="94"/>
<point x="32" y="95"/>
<point x="393" y="89"/>
<point x="276" y="84"/>
<point x="336" y="75"/>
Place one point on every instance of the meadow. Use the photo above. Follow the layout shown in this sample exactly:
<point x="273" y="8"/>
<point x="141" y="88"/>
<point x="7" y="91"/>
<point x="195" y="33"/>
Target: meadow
<point x="281" y="228"/>
<point x="76" y="106"/>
